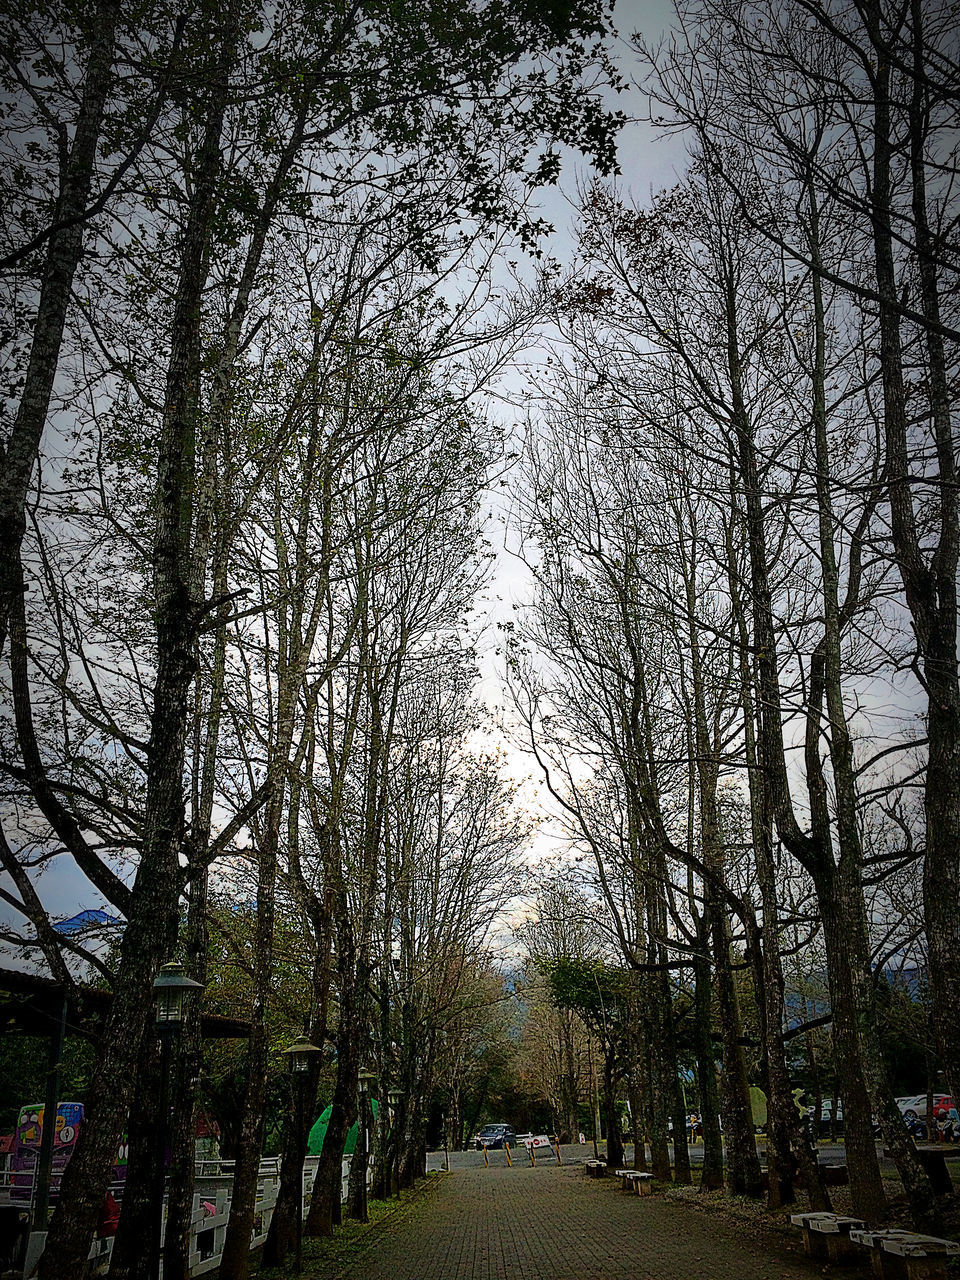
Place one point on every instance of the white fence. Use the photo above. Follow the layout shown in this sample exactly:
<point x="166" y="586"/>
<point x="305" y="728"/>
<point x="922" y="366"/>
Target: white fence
<point x="212" y="1195"/>
<point x="213" y="1190"/>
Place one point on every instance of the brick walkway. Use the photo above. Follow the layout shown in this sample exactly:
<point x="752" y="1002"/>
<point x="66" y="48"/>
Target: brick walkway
<point x="550" y="1223"/>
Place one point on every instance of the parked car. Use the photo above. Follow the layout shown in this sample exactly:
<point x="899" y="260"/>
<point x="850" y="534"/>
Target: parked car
<point x="493" y="1136"/>
<point x="915" y="1107"/>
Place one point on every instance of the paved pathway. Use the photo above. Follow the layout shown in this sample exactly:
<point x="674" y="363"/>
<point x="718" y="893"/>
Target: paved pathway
<point x="550" y="1223"/>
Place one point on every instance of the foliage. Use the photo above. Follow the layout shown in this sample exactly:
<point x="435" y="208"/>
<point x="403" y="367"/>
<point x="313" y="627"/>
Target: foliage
<point x="23" y="1073"/>
<point x="600" y="994"/>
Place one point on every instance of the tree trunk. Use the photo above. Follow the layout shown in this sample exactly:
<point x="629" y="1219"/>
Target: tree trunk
<point x="788" y="1148"/>
<point x="381" y="1151"/>
<point x="357" y="1190"/>
<point x="148" y="939"/>
<point x="815" y="851"/>
<point x="711" y="1178"/>
<point x="128" y="1257"/>
<point x="839" y="915"/>
<point x="614" y="1135"/>
<point x="659" y="1091"/>
<point x="569" y="1092"/>
<point x="638" y="1111"/>
<point x="186" y="1074"/>
<point x="281" y="1235"/>
<point x="235" y="1260"/>
<point x="408" y="1164"/>
<point x="681" y="1152"/>
<point x="931" y="592"/>
<point x="743" y="1163"/>
<point x="325" y="1205"/>
<point x="677" y="1108"/>
<point x="152" y="924"/>
<point x="19" y="453"/>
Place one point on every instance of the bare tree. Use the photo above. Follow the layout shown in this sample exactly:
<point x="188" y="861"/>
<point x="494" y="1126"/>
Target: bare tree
<point x="880" y="81"/>
<point x="729" y="357"/>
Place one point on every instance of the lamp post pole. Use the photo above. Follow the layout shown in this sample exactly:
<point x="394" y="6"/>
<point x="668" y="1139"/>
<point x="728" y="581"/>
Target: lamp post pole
<point x="364" y="1079"/>
<point x="171" y="990"/>
<point x="298" y="1056"/>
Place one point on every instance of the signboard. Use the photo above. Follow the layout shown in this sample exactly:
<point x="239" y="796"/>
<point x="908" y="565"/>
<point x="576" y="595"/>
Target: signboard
<point x="26" y="1147"/>
<point x="28" y="1136"/>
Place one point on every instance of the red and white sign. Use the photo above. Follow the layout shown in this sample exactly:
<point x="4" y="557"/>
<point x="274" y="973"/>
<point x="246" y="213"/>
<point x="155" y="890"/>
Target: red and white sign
<point x="535" y="1140"/>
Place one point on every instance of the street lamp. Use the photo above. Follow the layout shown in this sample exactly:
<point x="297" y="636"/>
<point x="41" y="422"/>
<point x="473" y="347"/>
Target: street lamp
<point x="364" y="1078"/>
<point x="171" y="991"/>
<point x="299" y="1055"/>
<point x="171" y="988"/>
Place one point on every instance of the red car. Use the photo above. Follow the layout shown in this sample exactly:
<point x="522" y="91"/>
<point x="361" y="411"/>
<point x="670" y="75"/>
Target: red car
<point x="942" y="1107"/>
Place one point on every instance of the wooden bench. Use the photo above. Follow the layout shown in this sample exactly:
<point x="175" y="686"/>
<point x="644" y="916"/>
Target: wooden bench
<point x="828" y="1235"/>
<point x="897" y="1254"/>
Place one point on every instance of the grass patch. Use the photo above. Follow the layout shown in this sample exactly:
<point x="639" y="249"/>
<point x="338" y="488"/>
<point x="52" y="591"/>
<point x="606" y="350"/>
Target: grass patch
<point x="328" y="1255"/>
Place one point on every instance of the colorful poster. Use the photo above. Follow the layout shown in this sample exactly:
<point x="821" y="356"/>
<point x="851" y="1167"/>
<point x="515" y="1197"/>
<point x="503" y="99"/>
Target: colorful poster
<point x="28" y="1136"/>
<point x="29" y="1133"/>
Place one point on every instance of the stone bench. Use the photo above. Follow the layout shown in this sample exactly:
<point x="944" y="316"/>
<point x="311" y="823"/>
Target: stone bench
<point x="828" y="1235"/>
<point x="834" y="1175"/>
<point x="896" y="1254"/>
<point x="595" y="1168"/>
<point x="637" y="1183"/>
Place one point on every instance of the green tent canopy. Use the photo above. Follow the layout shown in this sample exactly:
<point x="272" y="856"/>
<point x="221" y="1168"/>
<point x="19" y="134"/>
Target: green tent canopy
<point x="319" y="1132"/>
<point x="758" y="1105"/>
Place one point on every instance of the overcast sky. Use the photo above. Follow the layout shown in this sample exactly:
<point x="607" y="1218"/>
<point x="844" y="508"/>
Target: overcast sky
<point x="649" y="160"/>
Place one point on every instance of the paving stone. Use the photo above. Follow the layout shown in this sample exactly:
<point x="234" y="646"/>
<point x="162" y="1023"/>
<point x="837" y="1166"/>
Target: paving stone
<point x="550" y="1223"/>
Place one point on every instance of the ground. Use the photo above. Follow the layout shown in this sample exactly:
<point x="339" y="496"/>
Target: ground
<point x="553" y="1223"/>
